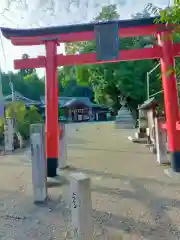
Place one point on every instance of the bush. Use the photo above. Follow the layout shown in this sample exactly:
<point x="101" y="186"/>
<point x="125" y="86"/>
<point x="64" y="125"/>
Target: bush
<point x="24" y="129"/>
<point x="23" y="118"/>
<point x="31" y="117"/>
<point x="1" y="130"/>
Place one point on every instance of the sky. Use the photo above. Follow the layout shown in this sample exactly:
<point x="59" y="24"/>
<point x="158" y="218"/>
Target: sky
<point x="43" y="13"/>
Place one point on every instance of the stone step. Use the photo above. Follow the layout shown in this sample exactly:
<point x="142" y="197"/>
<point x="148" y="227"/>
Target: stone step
<point x="124" y="120"/>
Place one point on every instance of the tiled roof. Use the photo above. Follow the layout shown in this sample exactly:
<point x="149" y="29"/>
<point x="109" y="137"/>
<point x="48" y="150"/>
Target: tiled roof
<point x="150" y="103"/>
<point x="19" y="97"/>
<point x="63" y="100"/>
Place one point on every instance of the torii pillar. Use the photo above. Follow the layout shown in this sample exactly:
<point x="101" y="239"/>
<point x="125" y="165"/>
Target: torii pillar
<point x="51" y="95"/>
<point x="170" y="96"/>
<point x="51" y="101"/>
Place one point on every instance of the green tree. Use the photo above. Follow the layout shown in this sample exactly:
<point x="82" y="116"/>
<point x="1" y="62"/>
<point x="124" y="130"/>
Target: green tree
<point x="6" y="78"/>
<point x="112" y="80"/>
<point x="27" y="71"/>
<point x="72" y="89"/>
<point x="23" y="116"/>
<point x="69" y="87"/>
<point x="30" y="86"/>
<point x="169" y="15"/>
<point x="34" y="86"/>
<point x="107" y="13"/>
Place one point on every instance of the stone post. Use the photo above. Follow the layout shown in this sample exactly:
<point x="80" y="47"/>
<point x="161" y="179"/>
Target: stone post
<point x="160" y="141"/>
<point x="39" y="128"/>
<point x="20" y="139"/>
<point x="81" y="206"/>
<point x="38" y="169"/>
<point x="142" y="124"/>
<point x="62" y="157"/>
<point x="9" y="135"/>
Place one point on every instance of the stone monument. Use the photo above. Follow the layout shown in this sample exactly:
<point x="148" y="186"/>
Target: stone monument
<point x="62" y="158"/>
<point x="9" y="135"/>
<point x="124" y="119"/>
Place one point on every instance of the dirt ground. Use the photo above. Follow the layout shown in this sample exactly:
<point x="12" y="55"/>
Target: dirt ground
<point x="132" y="198"/>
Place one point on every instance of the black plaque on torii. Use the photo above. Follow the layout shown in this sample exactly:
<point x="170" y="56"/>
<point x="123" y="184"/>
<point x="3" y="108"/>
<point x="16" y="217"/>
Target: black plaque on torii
<point x="107" y="41"/>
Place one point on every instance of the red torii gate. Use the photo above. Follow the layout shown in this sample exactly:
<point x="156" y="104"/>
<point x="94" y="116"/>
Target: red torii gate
<point x="51" y="37"/>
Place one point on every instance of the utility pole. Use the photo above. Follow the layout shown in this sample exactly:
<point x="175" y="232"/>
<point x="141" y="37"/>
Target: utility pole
<point x="148" y="77"/>
<point x="12" y="91"/>
<point x="171" y="3"/>
<point x="1" y="97"/>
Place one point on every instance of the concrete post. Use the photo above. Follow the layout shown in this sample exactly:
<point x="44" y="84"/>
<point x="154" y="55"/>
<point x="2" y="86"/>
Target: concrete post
<point x="90" y="113"/>
<point x="62" y="157"/>
<point x="9" y="135"/>
<point x="81" y="206"/>
<point x="160" y="140"/>
<point x="38" y="169"/>
<point x="39" y="128"/>
<point x="20" y="138"/>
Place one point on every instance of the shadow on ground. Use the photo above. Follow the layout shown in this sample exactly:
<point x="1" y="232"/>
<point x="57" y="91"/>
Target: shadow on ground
<point x="107" y="150"/>
<point x="158" y="206"/>
<point x="73" y="140"/>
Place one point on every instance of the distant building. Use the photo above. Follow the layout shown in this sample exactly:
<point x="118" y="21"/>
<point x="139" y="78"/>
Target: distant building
<point x="63" y="100"/>
<point x="77" y="110"/>
<point x="80" y="109"/>
<point x="19" y="97"/>
<point x="72" y="108"/>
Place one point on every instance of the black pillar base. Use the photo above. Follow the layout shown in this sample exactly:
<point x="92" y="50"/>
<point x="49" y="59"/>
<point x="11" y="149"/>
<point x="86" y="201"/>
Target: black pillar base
<point x="175" y="161"/>
<point x="52" y="167"/>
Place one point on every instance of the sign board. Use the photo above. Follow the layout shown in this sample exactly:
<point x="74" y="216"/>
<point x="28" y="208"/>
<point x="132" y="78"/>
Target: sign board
<point x="107" y="41"/>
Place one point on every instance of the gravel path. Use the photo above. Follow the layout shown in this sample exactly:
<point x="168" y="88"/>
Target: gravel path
<point x="132" y="198"/>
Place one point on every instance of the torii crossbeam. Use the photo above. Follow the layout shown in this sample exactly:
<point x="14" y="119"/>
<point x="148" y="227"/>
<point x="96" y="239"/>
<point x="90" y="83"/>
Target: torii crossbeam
<point x="107" y="50"/>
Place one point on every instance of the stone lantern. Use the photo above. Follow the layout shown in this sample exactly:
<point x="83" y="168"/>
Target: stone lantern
<point x="124" y="119"/>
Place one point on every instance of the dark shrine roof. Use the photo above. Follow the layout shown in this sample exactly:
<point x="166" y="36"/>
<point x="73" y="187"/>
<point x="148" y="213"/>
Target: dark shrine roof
<point x="10" y="32"/>
<point x="149" y="104"/>
<point x="75" y="103"/>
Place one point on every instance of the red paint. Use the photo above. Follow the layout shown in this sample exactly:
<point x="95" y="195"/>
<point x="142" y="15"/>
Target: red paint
<point x="162" y="125"/>
<point x="178" y="126"/>
<point x="170" y="90"/>
<point x="166" y="52"/>
<point x="39" y="62"/>
<point x="86" y="36"/>
<point x="51" y="99"/>
<point x="176" y="48"/>
<point x="90" y="58"/>
<point x="124" y="55"/>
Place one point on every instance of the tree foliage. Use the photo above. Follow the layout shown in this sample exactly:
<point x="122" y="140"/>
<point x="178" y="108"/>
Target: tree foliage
<point x="169" y="15"/>
<point x="110" y="81"/>
<point x="105" y="83"/>
<point x="23" y="116"/>
<point x="30" y="86"/>
<point x="27" y="71"/>
<point x="107" y="13"/>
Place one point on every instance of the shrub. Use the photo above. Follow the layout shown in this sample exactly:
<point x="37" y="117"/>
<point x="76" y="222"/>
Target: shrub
<point x="1" y="130"/>
<point x="23" y="118"/>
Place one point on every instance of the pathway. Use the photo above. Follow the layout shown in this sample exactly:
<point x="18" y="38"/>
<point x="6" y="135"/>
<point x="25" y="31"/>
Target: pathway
<point x="132" y="198"/>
